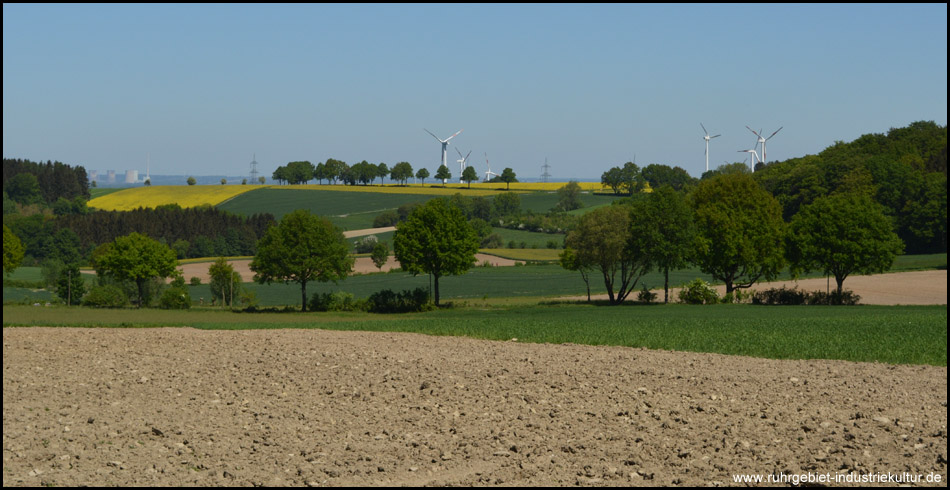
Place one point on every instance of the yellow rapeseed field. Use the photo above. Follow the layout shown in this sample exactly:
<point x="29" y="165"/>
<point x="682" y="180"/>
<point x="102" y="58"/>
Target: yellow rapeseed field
<point x="186" y="196"/>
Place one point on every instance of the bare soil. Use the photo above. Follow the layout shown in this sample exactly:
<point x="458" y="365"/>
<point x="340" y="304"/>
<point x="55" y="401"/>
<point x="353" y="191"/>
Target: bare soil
<point x="899" y="288"/>
<point x="178" y="406"/>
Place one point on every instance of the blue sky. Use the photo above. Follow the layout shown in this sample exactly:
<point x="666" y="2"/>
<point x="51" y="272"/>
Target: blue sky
<point x="200" y="89"/>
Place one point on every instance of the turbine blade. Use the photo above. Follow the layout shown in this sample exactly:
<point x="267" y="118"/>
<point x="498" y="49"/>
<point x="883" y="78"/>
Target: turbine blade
<point x="776" y="132"/>
<point x="466" y="156"/>
<point x="434" y="136"/>
<point x="454" y="135"/>
<point x="753" y="131"/>
<point x="460" y="153"/>
<point x="718" y="135"/>
<point x="704" y="129"/>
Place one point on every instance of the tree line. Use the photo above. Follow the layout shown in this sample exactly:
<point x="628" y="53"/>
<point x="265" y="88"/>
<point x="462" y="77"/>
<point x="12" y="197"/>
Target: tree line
<point x="29" y="182"/>
<point x="904" y="170"/>
<point x="363" y="173"/>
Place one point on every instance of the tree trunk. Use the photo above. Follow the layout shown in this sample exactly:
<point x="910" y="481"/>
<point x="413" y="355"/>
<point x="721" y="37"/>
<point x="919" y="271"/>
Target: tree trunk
<point x="303" y="295"/>
<point x="436" y="277"/>
<point x="666" y="286"/>
<point x="141" y="284"/>
<point x="840" y="281"/>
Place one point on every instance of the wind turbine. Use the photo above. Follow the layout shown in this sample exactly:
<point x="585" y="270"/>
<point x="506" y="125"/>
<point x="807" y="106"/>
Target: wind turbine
<point x="762" y="140"/>
<point x="707" y="138"/>
<point x="489" y="173"/>
<point x="461" y="162"/>
<point x="753" y="158"/>
<point x="445" y="142"/>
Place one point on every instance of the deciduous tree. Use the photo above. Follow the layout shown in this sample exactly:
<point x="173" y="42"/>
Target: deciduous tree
<point x="435" y="239"/>
<point x="136" y="258"/>
<point x="843" y="234"/>
<point x="740" y="232"/>
<point x="302" y="248"/>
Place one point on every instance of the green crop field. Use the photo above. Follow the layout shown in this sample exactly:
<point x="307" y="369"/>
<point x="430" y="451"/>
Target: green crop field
<point x="890" y="334"/>
<point x="348" y="210"/>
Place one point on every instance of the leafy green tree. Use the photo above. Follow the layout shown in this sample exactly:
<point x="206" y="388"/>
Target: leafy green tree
<point x="507" y="204"/>
<point x="224" y="281"/>
<point x="612" y="178"/>
<point x="12" y="251"/>
<point x="469" y="175"/>
<point x="334" y="169"/>
<point x="401" y="172"/>
<point x="382" y="170"/>
<point x="24" y="188"/>
<point x="658" y="175"/>
<point x="569" y="197"/>
<point x="568" y="260"/>
<point x="662" y="227"/>
<point x="261" y="179"/>
<point x="71" y="286"/>
<point x="136" y="258"/>
<point x="435" y="239"/>
<point x="303" y="247"/>
<point x="422" y="174"/>
<point x="443" y="173"/>
<point x="601" y="242"/>
<point x="192" y="181"/>
<point x="739" y="230"/>
<point x="631" y="177"/>
<point x="843" y="234"/>
<point x="508" y="176"/>
<point x="380" y="254"/>
<point x="148" y="182"/>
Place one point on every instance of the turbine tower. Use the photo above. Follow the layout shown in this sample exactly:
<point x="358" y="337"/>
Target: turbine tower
<point x="462" y="163"/>
<point x="489" y="173"/>
<point x="445" y="142"/>
<point x="707" y="138"/>
<point x="762" y="140"/>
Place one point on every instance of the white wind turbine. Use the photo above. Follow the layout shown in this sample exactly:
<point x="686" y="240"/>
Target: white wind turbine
<point x="707" y="138"/>
<point x="752" y="159"/>
<point x="461" y="163"/>
<point x="762" y="140"/>
<point x="489" y="174"/>
<point x="445" y="142"/>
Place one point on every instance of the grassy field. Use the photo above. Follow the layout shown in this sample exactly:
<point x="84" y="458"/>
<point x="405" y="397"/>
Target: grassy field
<point x="348" y="210"/>
<point x="890" y="334"/>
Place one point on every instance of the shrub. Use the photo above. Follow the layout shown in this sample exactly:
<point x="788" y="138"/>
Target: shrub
<point x="786" y="296"/>
<point x="109" y="296"/>
<point x="698" y="292"/>
<point x="779" y="296"/>
<point x="646" y="296"/>
<point x="386" y="301"/>
<point x="365" y="245"/>
<point x="736" y="296"/>
<point x="493" y="241"/>
<point x="335" y="301"/>
<point x="175" y="298"/>
<point x="845" y="298"/>
<point x="386" y="218"/>
<point x="195" y="281"/>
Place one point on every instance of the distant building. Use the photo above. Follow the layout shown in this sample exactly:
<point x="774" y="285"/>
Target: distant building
<point x="93" y="175"/>
<point x="111" y="176"/>
<point x="131" y="176"/>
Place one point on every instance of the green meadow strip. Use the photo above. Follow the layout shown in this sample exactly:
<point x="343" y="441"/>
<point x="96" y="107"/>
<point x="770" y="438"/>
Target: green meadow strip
<point x="889" y="334"/>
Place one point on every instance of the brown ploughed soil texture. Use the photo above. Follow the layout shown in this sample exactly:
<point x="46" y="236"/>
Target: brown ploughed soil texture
<point x="178" y="406"/>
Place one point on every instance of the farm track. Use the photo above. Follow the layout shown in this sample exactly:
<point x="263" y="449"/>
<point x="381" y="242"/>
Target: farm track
<point x="177" y="406"/>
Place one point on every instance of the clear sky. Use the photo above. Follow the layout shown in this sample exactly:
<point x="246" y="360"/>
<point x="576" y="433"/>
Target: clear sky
<point x="200" y="89"/>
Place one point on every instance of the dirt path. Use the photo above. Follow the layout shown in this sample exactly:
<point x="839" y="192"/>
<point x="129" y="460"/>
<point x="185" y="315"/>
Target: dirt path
<point x="362" y="265"/>
<point x="178" y="406"/>
<point x="899" y="288"/>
